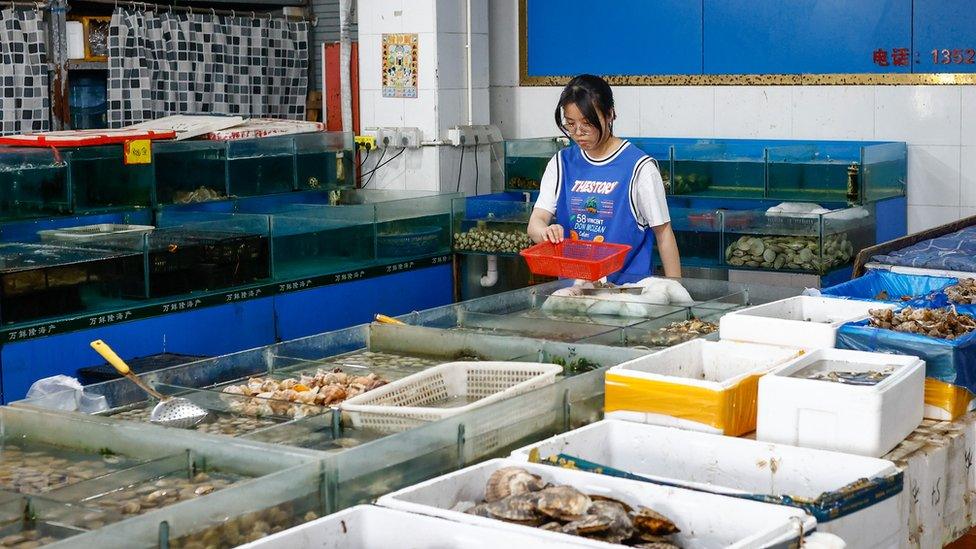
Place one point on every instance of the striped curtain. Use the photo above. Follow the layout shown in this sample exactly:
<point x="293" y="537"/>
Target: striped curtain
<point x="179" y="63"/>
<point x="25" y="105"/>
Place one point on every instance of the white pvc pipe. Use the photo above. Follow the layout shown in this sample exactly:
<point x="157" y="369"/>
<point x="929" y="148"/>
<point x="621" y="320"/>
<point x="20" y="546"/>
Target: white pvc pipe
<point x="491" y="277"/>
<point x="467" y="50"/>
<point x="345" y="59"/>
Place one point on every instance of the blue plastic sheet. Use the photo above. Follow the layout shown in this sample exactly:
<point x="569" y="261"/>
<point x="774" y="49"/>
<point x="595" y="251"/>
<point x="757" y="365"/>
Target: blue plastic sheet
<point x="952" y="252"/>
<point x="948" y="360"/>
<point x="871" y="285"/>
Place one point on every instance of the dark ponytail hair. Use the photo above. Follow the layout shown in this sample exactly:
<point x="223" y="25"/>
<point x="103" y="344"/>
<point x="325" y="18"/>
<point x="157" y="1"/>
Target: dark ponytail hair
<point x="591" y="95"/>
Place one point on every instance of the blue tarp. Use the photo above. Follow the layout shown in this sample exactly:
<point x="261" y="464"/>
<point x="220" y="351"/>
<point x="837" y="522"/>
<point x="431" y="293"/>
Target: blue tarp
<point x="871" y="285"/>
<point x="948" y="360"/>
<point x="952" y="252"/>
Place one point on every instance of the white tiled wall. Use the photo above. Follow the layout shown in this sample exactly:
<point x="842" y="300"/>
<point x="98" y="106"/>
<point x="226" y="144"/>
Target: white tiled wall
<point x="441" y="80"/>
<point x="937" y="122"/>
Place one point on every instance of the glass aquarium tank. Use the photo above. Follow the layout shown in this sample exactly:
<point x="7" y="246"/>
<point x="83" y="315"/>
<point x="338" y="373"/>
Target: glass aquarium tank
<point x="101" y="181"/>
<point x="660" y="151"/>
<point x="732" y="169"/>
<point x="409" y="224"/>
<point x="324" y="160"/>
<point x="33" y="183"/>
<point x="42" y="281"/>
<point x="491" y="227"/>
<point x="698" y="232"/>
<point x="311" y="240"/>
<point x="190" y="171"/>
<point x="836" y="171"/>
<point x="884" y="171"/>
<point x="800" y="243"/>
<point x="526" y="160"/>
<point x="193" y="251"/>
<point x="261" y="166"/>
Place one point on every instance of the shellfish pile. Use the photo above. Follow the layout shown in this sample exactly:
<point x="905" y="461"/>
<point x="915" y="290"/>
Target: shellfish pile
<point x="515" y="495"/>
<point x="789" y="252"/>
<point x="523" y="183"/>
<point x="202" y="194"/>
<point x="26" y="539"/>
<point x="679" y="332"/>
<point x="215" y="423"/>
<point x="871" y="377"/>
<point x="963" y="293"/>
<point x="33" y="472"/>
<point x="492" y="241"/>
<point x="245" y="528"/>
<point x="154" y="494"/>
<point x="297" y="397"/>
<point x="944" y="323"/>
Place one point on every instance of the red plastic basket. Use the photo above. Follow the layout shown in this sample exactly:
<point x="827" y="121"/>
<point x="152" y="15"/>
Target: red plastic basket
<point x="580" y="259"/>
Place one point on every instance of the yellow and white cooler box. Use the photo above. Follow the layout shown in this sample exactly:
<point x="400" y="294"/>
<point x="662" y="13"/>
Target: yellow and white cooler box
<point x="804" y="321"/>
<point x="844" y="492"/>
<point x="868" y="420"/>
<point x="700" y="385"/>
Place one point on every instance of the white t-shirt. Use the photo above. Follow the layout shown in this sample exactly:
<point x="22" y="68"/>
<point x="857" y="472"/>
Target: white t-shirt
<point x="651" y="203"/>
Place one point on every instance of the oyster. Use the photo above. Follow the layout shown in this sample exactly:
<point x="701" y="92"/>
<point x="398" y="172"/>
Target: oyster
<point x="963" y="293"/>
<point x="510" y="481"/>
<point x="520" y="508"/>
<point x="563" y="503"/>
<point x="943" y="323"/>
<point x="649" y="521"/>
<point x="588" y="525"/>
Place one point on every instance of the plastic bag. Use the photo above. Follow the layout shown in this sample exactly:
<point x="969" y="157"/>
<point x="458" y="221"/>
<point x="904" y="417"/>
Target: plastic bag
<point x="948" y="360"/>
<point x="894" y="285"/>
<point x="65" y="393"/>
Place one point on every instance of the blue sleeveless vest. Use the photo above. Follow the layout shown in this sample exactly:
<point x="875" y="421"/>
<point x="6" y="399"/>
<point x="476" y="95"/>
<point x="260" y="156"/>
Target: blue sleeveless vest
<point x="597" y="201"/>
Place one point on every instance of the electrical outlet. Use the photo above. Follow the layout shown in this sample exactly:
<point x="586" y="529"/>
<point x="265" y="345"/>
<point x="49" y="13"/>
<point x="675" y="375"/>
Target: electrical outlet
<point x="410" y="138"/>
<point x="377" y="135"/>
<point x="366" y="142"/>
<point x="461" y="136"/>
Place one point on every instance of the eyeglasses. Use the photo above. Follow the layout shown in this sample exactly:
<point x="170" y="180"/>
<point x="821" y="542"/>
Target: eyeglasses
<point x="583" y="128"/>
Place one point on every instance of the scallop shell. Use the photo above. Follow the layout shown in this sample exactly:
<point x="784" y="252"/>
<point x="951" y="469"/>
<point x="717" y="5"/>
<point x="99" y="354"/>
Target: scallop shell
<point x="769" y="255"/>
<point x="509" y="481"/>
<point x="563" y="503"/>
<point x="520" y="508"/>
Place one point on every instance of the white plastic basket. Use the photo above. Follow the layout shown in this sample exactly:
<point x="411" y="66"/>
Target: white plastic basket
<point x="705" y="520"/>
<point x="409" y="402"/>
<point x="91" y="233"/>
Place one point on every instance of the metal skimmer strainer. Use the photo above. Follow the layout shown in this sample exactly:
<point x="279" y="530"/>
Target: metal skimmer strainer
<point x="171" y="411"/>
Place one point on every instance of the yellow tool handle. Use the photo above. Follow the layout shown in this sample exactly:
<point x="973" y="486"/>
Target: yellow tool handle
<point x="109" y="355"/>
<point x="387" y="320"/>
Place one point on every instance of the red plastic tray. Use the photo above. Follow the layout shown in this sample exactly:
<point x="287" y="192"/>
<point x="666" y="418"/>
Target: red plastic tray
<point x="580" y="259"/>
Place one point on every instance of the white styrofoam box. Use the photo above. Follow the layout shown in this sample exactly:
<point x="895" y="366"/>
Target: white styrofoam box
<point x="411" y="401"/>
<point x="867" y="420"/>
<point x="369" y="526"/>
<point x="705" y="520"/>
<point x="925" y="480"/>
<point x="957" y="518"/>
<point x="719" y="366"/>
<point x="803" y="321"/>
<point x="91" y="233"/>
<point x="734" y="465"/>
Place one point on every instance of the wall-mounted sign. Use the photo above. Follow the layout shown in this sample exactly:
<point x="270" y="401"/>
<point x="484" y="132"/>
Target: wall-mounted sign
<point x="400" y="65"/>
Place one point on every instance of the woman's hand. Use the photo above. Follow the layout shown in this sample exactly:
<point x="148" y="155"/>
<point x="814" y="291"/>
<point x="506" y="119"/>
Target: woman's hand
<point x="541" y="231"/>
<point x="554" y="233"/>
